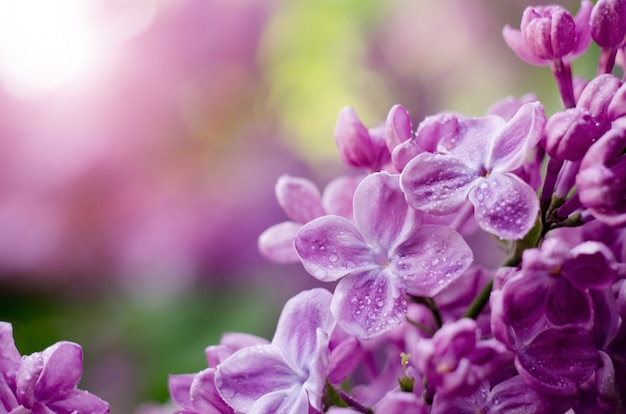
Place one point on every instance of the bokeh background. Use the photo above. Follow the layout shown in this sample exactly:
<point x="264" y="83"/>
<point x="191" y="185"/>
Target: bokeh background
<point x="140" y="141"/>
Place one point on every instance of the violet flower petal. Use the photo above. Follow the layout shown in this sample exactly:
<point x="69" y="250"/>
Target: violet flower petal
<point x="515" y="41"/>
<point x="331" y="247"/>
<point x="299" y="198"/>
<point x="276" y="242"/>
<point x="398" y="128"/>
<point x="437" y="183"/>
<point x="62" y="369"/>
<point x="338" y="194"/>
<point x="505" y="205"/>
<point x="381" y="212"/>
<point x="547" y="362"/>
<point x="472" y="141"/>
<point x="253" y="372"/>
<point x="512" y="142"/>
<point x="78" y="402"/>
<point x="299" y="321"/>
<point x="431" y="259"/>
<point x="365" y="304"/>
<point x="179" y="386"/>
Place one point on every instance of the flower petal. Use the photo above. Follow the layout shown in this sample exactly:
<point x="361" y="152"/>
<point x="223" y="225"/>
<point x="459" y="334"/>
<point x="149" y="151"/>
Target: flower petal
<point x="338" y="194"/>
<point x="505" y="205"/>
<point x="471" y="139"/>
<point x="179" y="386"/>
<point x="367" y="304"/>
<point x="253" y="372"/>
<point x="437" y="184"/>
<point x="204" y="396"/>
<point x="300" y="319"/>
<point x="62" y="369"/>
<point x="381" y="212"/>
<point x="432" y="258"/>
<point x="515" y="41"/>
<point x="299" y="198"/>
<point x="330" y="247"/>
<point x="511" y="144"/>
<point x="78" y="402"/>
<point x="10" y="358"/>
<point x="276" y="243"/>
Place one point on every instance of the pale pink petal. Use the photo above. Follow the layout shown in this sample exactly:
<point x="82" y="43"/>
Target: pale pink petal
<point x="276" y="243"/>
<point x="515" y="41"/>
<point x="299" y="198"/>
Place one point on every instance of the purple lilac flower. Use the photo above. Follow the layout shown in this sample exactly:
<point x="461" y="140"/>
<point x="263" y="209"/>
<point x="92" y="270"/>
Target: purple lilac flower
<point x="43" y="382"/>
<point x="288" y="375"/>
<point x="381" y="257"/>
<point x="302" y="202"/>
<point x="600" y="182"/>
<point x="456" y="361"/>
<point x="608" y="27"/>
<point x="196" y="393"/>
<point x="474" y="161"/>
<point x="550" y="32"/>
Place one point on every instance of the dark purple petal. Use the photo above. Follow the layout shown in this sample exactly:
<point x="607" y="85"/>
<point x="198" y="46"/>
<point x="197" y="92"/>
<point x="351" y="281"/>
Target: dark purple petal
<point x="276" y="243"/>
<point x="62" y="369"/>
<point x="504" y="205"/>
<point x="366" y="304"/>
<point x="437" y="184"/>
<point x="297" y="330"/>
<point x="511" y="143"/>
<point x="179" y="386"/>
<point x="381" y="213"/>
<point x="566" y="304"/>
<point x="557" y="361"/>
<point x="432" y="258"/>
<point x="299" y="198"/>
<point x="253" y="372"/>
<point x="569" y="134"/>
<point x="78" y="402"/>
<point x="330" y="247"/>
<point x="591" y="265"/>
<point x="514" y="396"/>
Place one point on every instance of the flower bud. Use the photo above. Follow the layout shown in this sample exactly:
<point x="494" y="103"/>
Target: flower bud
<point x="569" y="134"/>
<point x="608" y="22"/>
<point x="549" y="32"/>
<point x="358" y="146"/>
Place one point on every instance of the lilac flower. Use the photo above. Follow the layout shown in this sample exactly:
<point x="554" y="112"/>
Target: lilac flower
<point x="550" y="32"/>
<point x="474" y="162"/>
<point x="570" y="133"/>
<point x="288" y="375"/>
<point x="600" y="182"/>
<point x="358" y="146"/>
<point x="43" y="382"/>
<point x="457" y="361"/>
<point x="196" y="393"/>
<point x="302" y="202"/>
<point x="511" y="396"/>
<point x="380" y="258"/>
<point x="608" y="23"/>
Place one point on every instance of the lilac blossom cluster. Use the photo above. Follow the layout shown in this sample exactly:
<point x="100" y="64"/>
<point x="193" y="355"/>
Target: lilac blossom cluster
<point x="416" y="322"/>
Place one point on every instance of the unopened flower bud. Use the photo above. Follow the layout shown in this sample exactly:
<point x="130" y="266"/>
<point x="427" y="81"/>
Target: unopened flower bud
<point x="549" y="32"/>
<point x="608" y="22"/>
<point x="358" y="146"/>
